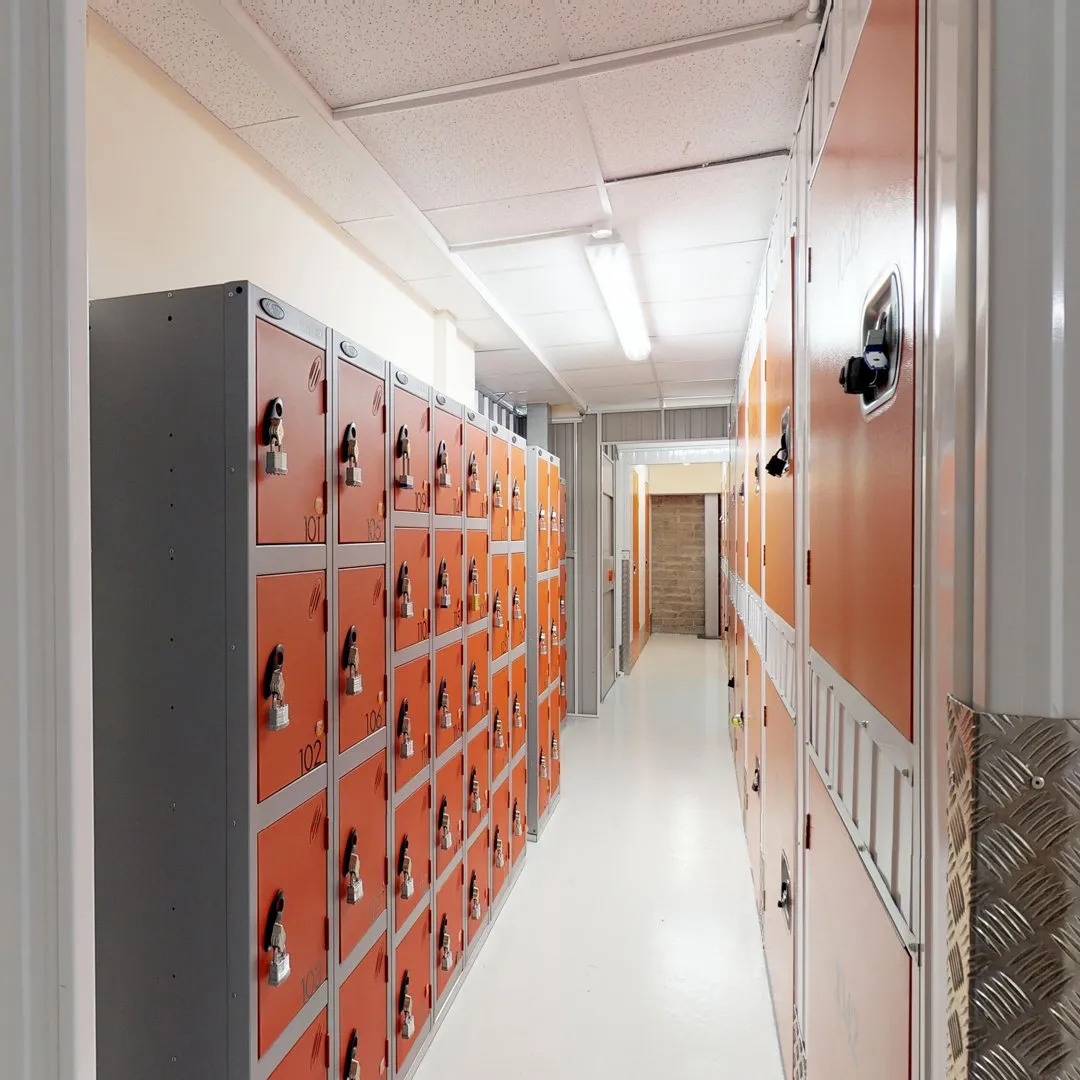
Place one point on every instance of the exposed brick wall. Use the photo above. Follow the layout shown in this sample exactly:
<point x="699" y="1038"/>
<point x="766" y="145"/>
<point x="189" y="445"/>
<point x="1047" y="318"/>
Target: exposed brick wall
<point x="678" y="564"/>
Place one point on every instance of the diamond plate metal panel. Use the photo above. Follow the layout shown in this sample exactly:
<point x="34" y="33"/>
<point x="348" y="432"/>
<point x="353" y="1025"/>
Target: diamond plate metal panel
<point x="1013" y="897"/>
<point x="799" y="1070"/>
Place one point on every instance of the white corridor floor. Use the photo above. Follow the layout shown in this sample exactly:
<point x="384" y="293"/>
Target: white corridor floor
<point x="629" y="948"/>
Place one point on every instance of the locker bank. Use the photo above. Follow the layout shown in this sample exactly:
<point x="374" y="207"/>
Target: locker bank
<point x="401" y="402"/>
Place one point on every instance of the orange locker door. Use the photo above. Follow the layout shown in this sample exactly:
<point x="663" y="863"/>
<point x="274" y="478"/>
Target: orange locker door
<point x="292" y="925"/>
<point x="477" y="587"/>
<point x="500" y="490"/>
<point x="477" y="695"/>
<point x="543" y="470"/>
<point x="412" y="587"/>
<point x="477" y="884"/>
<point x="861" y="494"/>
<point x="290" y="437"/>
<point x="307" y="1059"/>
<point x="517" y="488"/>
<point x="500" y="837"/>
<point x="413" y="992"/>
<point x="500" y="720"/>
<point x="543" y="638"/>
<point x="362" y="456"/>
<point x="476" y="472"/>
<point x="410" y="860"/>
<point x="478" y="789"/>
<point x="544" y="762"/>
<point x="362" y="639"/>
<point x="519" y="719"/>
<point x="554" y="715"/>
<point x="755" y="477"/>
<point x="562" y="523"/>
<point x="517" y="600"/>
<point x="362" y="798"/>
<point x="449" y="571"/>
<point x="448" y="481"/>
<point x="740" y="489"/>
<point x="518" y="809"/>
<point x="362" y="1017"/>
<point x="449" y="811"/>
<point x="411" y="470"/>
<point x="412" y="720"/>
<point x="449" y="711"/>
<point x="501" y="614"/>
<point x="754" y="769"/>
<point x="450" y="933"/>
<point x="290" y="677"/>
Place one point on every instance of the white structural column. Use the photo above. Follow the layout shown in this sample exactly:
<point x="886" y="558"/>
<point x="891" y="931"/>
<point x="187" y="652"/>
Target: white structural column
<point x="46" y="777"/>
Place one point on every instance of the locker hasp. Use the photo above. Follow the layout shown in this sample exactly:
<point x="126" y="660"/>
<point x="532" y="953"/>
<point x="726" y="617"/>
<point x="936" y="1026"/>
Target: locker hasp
<point x="446" y="717"/>
<point x="350" y="661"/>
<point x="519" y="822"/>
<point x="474" y="586"/>
<point x="446" y="950"/>
<point x="497" y="613"/>
<point x="518" y="614"/>
<point x="780" y="463"/>
<point x="445" y="599"/>
<point x="519" y="716"/>
<point x="404" y="590"/>
<point x="543" y="519"/>
<point x="406" y="881"/>
<point x="442" y="465"/>
<point x="496" y="493"/>
<point x="277" y="717"/>
<point x="515" y="496"/>
<point x="475" y="700"/>
<point x="404" y="454"/>
<point x="500" y="737"/>
<point x="474" y="474"/>
<point x="350" y="870"/>
<point x="407" y="1020"/>
<point x="500" y="855"/>
<point x="354" y="477"/>
<point x="475" y="803"/>
<point x="274" y="941"/>
<point x="475" y="911"/>
<point x="276" y="461"/>
<point x="446" y="834"/>
<point x="407" y="747"/>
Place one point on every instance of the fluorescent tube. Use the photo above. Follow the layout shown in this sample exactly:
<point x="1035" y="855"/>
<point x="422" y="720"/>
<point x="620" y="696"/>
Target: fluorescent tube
<point x="610" y="263"/>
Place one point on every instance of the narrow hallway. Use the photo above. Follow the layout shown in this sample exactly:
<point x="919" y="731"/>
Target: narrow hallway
<point x="631" y="948"/>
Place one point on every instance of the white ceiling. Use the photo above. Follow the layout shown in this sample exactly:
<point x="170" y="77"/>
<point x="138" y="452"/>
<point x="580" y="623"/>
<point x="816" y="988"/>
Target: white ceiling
<point x="420" y="186"/>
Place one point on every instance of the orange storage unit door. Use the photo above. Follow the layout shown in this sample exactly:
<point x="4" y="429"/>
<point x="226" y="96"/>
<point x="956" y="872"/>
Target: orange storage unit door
<point x="448" y="480"/>
<point x="290" y="677"/>
<point x="500" y="837"/>
<point x="361" y="466"/>
<point x="544" y="760"/>
<point x="412" y="720"/>
<point x="500" y="720"/>
<point x="754" y="765"/>
<point x="517" y="488"/>
<point x="477" y="885"/>
<point x="362" y="1016"/>
<point x="362" y="605"/>
<point x="519" y="713"/>
<point x="307" y="1059"/>
<point x="362" y="798"/>
<point x="518" y="614"/>
<point x="477" y="695"/>
<point x="755" y="472"/>
<point x="292" y="926"/>
<point x="519" y="816"/>
<point x="858" y="1016"/>
<point x="449" y="932"/>
<point x="555" y="742"/>
<point x="449" y="709"/>
<point x="478" y="788"/>
<point x="411" y="472"/>
<point x="412" y="1004"/>
<point x="861" y="496"/>
<point x="449" y="580"/>
<point x="476" y="471"/>
<point x="410" y="861"/>
<point x="562" y="521"/>
<point x="501" y="615"/>
<point x="500" y="489"/>
<point x="778" y="840"/>
<point x="290" y="438"/>
<point x="543" y="631"/>
<point x="477" y="587"/>
<point x="779" y="448"/>
<point x="449" y="811"/>
<point x="740" y="490"/>
<point x="412" y="587"/>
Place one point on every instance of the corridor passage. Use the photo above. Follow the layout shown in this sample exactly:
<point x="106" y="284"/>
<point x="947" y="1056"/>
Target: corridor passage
<point x="631" y="948"/>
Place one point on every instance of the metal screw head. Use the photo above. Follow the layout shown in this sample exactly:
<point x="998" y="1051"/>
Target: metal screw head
<point x="1038" y="783"/>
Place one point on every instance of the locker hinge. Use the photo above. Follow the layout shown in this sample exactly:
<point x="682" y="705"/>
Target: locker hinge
<point x="747" y="667"/>
<point x="327" y="1046"/>
<point x="326" y="616"/>
<point x="326" y="715"/>
<point x="384" y="418"/>
<point x="763" y="549"/>
<point x="326" y="833"/>
<point x="764" y="716"/>
<point x="326" y="497"/>
<point x="326" y="933"/>
<point x="386" y="871"/>
<point x="809" y="264"/>
<point x="806" y="834"/>
<point x="325" y="396"/>
<point x="386" y="787"/>
<point x="807" y="566"/>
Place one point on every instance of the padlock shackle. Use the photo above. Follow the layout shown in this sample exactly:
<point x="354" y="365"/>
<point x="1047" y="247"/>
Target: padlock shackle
<point x="350" y="849"/>
<point x="273" y="917"/>
<point x="348" y="437"/>
<point x="350" y="1054"/>
<point x="273" y="416"/>
<point x="351" y="638"/>
<point x="275" y="662"/>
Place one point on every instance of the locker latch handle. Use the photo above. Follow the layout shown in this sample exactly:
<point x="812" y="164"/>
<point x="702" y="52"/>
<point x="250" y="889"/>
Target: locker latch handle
<point x="755" y="785"/>
<point x="474" y="474"/>
<point x="874" y="373"/>
<point x="785" y="896"/>
<point x="350" y="457"/>
<point x="779" y="464"/>
<point x="442" y="463"/>
<point x="272" y="434"/>
<point x="352" y="1065"/>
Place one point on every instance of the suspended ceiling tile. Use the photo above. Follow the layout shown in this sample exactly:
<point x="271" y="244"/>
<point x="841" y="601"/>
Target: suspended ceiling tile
<point x="709" y="106"/>
<point x="557" y="251"/>
<point x="182" y="43"/>
<point x="726" y="204"/>
<point x="566" y="358"/>
<point x="354" y="52"/>
<point x="576" y="208"/>
<point x="711" y="388"/>
<point x="697" y="273"/>
<point x="501" y="362"/>
<point x="400" y="247"/>
<point x="595" y="27"/>
<point x="697" y="370"/>
<point x="324" y="173"/>
<point x="725" y="348"/>
<point x="723" y="314"/>
<point x="454" y="294"/>
<point x="483" y="149"/>
<point x="488" y="334"/>
<point x="542" y="290"/>
<point x="628" y="374"/>
<point x="569" y="328"/>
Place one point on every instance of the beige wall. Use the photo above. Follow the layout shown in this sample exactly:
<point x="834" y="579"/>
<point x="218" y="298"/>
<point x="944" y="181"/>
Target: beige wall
<point x="176" y="200"/>
<point x="691" y="479"/>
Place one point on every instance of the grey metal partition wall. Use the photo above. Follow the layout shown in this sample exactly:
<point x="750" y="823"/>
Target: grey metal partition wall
<point x="563" y="440"/>
<point x="587" y="566"/>
<point x="608" y="629"/>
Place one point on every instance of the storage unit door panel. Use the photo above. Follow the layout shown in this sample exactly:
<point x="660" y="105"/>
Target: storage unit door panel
<point x="500" y="720"/>
<point x="544" y="629"/>
<point x="500" y="837"/>
<point x="740" y="488"/>
<point x="411" y="476"/>
<point x="413" y="989"/>
<point x="362" y="1000"/>
<point x="361" y="407"/>
<point x="858" y="1016"/>
<point x="362" y="797"/>
<point x="449" y="930"/>
<point x="449" y="811"/>
<point x="307" y="1059"/>
<point x="449" y="561"/>
<point x="519" y="815"/>
<point x="477" y="585"/>
<point x="290" y="388"/>
<point x="291" y="614"/>
<point x="556" y="743"/>
<point x="412" y="576"/>
<point x="519" y="711"/>
<point x="476" y="472"/>
<point x="478" y="788"/>
<point x="754" y="765"/>
<point x="862" y="229"/>
<point x="544" y="761"/>
<point x="448" y="478"/>
<point x="412" y="822"/>
<point x="449" y="708"/>
<point x="754" y="472"/>
<point x="477" y="885"/>
<point x="477" y="695"/>
<point x="362" y="603"/>
<point x="518" y="614"/>
<point x="517" y="491"/>
<point x="292" y="892"/>
<point x="500" y="490"/>
<point x="500" y="605"/>
<point x="412" y="720"/>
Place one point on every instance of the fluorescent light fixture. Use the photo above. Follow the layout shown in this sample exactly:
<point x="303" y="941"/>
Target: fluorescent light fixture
<point x="610" y="263"/>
